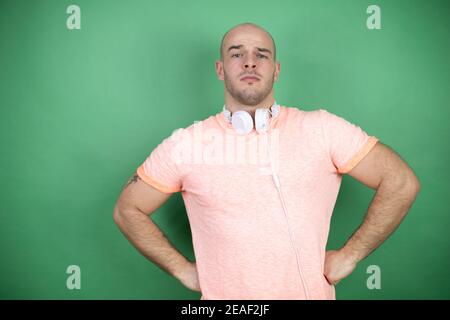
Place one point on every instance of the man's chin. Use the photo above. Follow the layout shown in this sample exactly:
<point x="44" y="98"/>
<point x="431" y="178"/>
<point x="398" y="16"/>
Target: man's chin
<point x="248" y="95"/>
<point x="250" y="101"/>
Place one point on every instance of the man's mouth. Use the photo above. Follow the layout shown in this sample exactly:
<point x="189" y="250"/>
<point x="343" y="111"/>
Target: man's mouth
<point x="250" y="78"/>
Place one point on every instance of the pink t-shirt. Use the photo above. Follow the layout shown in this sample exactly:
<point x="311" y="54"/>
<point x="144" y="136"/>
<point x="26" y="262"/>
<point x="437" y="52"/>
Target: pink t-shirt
<point x="244" y="244"/>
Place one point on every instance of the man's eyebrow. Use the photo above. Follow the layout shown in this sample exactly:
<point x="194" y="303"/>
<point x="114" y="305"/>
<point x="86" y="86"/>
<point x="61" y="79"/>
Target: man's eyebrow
<point x="240" y="46"/>
<point x="235" y="47"/>
<point x="264" y="50"/>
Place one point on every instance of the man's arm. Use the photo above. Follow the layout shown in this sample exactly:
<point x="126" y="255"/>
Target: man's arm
<point x="131" y="214"/>
<point x="397" y="187"/>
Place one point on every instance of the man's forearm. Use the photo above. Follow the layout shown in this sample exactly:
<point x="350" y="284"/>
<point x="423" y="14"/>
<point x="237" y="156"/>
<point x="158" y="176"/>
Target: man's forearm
<point x="145" y="235"/>
<point x="389" y="206"/>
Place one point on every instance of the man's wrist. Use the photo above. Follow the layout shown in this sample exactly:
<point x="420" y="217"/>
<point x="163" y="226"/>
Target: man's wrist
<point x="180" y="269"/>
<point x="351" y="254"/>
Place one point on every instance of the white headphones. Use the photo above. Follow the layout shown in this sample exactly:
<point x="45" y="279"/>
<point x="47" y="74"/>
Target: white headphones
<point x="242" y="121"/>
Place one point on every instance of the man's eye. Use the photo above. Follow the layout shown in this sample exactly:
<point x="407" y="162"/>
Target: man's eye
<point x="262" y="56"/>
<point x="235" y="54"/>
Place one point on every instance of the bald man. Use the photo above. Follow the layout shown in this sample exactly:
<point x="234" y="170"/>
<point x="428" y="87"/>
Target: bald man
<point x="260" y="218"/>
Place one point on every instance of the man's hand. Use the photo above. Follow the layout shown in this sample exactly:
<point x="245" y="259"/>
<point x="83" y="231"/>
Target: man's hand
<point x="188" y="276"/>
<point x="338" y="265"/>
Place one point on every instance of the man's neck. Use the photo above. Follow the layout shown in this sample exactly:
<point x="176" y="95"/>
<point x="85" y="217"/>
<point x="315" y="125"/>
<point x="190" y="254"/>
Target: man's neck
<point x="234" y="106"/>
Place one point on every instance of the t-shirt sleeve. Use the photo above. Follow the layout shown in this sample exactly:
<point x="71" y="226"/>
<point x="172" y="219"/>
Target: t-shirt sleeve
<point x="161" y="169"/>
<point x="346" y="142"/>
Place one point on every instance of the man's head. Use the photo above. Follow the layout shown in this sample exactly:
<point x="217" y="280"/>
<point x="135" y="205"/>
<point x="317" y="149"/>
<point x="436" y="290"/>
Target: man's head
<point x="247" y="64"/>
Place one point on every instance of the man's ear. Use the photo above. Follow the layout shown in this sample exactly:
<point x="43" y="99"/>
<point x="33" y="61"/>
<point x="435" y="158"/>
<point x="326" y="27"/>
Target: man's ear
<point x="277" y="71"/>
<point x="219" y="69"/>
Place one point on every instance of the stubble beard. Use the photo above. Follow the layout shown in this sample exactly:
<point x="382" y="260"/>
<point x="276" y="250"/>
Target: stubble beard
<point x="249" y="96"/>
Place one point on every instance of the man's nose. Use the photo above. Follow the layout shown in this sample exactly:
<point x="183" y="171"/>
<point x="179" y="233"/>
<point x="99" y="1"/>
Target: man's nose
<point x="249" y="64"/>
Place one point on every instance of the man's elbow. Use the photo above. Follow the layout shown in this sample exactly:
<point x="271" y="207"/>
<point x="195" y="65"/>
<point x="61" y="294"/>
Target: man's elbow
<point x="117" y="215"/>
<point x="124" y="212"/>
<point x="404" y="180"/>
<point x="412" y="183"/>
<point x="417" y="185"/>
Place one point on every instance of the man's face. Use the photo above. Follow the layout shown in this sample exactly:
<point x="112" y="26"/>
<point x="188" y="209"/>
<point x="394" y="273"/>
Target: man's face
<point x="248" y="67"/>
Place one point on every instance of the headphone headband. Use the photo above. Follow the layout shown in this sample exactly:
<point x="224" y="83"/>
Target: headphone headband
<point x="242" y="121"/>
<point x="274" y="111"/>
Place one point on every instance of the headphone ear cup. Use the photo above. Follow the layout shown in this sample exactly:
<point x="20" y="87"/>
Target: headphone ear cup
<point x="242" y="122"/>
<point x="227" y="113"/>
<point x="262" y="120"/>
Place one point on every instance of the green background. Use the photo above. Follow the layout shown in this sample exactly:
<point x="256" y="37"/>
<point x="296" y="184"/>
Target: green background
<point x="81" y="109"/>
